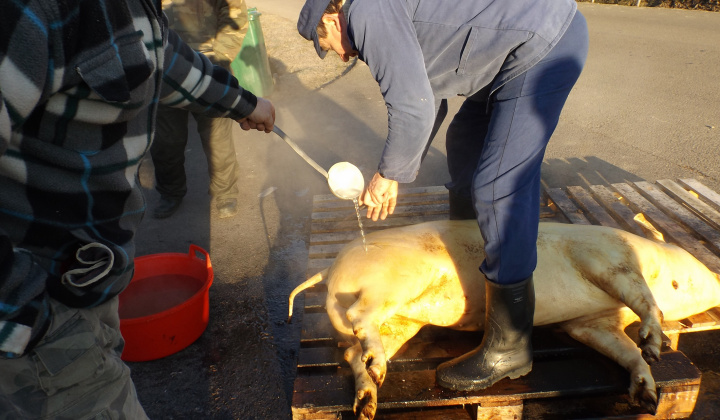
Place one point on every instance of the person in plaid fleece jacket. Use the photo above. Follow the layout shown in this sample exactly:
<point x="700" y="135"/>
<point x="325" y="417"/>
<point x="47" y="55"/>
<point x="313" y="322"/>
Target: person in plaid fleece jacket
<point x="80" y="82"/>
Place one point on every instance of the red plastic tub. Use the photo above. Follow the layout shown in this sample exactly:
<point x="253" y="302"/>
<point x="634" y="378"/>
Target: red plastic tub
<point x="166" y="306"/>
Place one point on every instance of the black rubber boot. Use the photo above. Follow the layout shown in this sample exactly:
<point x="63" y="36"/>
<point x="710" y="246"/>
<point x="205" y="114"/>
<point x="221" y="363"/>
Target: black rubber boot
<point x="461" y="207"/>
<point x="506" y="348"/>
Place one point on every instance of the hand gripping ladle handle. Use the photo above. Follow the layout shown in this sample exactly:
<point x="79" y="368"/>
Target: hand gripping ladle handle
<point x="299" y="151"/>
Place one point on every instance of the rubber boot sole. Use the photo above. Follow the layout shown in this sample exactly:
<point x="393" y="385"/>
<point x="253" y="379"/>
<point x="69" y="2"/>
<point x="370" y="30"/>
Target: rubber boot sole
<point x="477" y="385"/>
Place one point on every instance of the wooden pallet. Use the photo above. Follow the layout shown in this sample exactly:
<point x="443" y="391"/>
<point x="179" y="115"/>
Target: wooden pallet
<point x="568" y="380"/>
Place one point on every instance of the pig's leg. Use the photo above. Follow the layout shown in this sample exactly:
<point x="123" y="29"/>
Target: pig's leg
<point x="394" y="333"/>
<point x="604" y="333"/>
<point x="365" y="403"/>
<point x="365" y="316"/>
<point x="630" y="288"/>
<point x="360" y="319"/>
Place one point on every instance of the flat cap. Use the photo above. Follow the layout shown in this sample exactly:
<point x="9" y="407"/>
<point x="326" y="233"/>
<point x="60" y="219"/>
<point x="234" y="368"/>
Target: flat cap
<point x="310" y="16"/>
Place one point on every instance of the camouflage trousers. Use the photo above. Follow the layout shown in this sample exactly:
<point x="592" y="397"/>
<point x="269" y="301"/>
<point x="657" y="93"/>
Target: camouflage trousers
<point x="74" y="372"/>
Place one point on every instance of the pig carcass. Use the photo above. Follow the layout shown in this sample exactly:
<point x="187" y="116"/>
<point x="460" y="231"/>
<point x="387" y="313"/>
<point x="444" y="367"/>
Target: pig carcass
<point x="592" y="281"/>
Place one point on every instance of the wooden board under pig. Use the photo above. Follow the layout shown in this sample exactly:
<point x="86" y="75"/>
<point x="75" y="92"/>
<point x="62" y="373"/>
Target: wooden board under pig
<point x="568" y="379"/>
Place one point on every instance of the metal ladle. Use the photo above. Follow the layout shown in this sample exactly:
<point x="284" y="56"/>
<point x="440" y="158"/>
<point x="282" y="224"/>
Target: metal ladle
<point x="344" y="179"/>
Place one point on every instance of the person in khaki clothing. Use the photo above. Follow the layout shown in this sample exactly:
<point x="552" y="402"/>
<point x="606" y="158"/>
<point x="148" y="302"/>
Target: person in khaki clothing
<point x="215" y="28"/>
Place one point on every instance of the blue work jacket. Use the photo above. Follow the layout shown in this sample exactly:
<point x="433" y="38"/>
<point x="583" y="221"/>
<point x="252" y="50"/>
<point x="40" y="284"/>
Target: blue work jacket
<point x="421" y="51"/>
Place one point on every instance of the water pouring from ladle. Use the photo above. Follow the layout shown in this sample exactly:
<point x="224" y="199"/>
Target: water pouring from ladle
<point x="344" y="179"/>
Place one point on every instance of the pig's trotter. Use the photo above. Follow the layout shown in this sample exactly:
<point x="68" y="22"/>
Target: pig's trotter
<point x="642" y="391"/>
<point x="365" y="405"/>
<point x="650" y="342"/>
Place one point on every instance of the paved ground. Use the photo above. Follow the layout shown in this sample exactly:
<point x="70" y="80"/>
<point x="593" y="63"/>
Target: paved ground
<point x="646" y="108"/>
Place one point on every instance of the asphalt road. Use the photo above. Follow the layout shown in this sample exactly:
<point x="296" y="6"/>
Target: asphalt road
<point x="647" y="107"/>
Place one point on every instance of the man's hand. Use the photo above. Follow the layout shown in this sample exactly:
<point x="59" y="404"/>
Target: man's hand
<point x="261" y="119"/>
<point x="380" y="197"/>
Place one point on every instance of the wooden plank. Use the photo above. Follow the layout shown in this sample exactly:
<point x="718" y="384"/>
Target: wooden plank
<point x="417" y="356"/>
<point x="715" y="313"/>
<point x="427" y="413"/>
<point x="312" y="358"/>
<point x="325" y="251"/>
<point x="547" y="213"/>
<point x="710" y="196"/>
<point x="317" y="330"/>
<point x="550" y="378"/>
<point x="701" y="320"/>
<point x="684" y="329"/>
<point x="418" y="389"/>
<point x="680" y="194"/>
<point x="566" y="206"/>
<point x="614" y="206"/>
<point x="402" y="200"/>
<point x="413" y="191"/>
<point x="342" y="214"/>
<point x="314" y="302"/>
<point x="672" y="326"/>
<point x="316" y="265"/>
<point x="399" y="211"/>
<point x="344" y="209"/>
<point x="435" y="344"/>
<point x="512" y="409"/>
<point x="422" y="413"/>
<point x="668" y="227"/>
<point x="677" y="402"/>
<point x="592" y="209"/>
<point x="334" y="237"/>
<point x="680" y="214"/>
<point x="392" y="221"/>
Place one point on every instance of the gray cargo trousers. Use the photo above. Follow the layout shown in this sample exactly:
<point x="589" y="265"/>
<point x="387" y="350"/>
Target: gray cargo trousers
<point x="74" y="372"/>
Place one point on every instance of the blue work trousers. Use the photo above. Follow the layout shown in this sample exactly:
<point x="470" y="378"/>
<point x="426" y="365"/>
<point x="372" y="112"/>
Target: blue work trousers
<point x="495" y="149"/>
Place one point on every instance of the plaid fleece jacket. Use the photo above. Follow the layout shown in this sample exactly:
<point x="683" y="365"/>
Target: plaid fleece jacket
<point x="80" y="82"/>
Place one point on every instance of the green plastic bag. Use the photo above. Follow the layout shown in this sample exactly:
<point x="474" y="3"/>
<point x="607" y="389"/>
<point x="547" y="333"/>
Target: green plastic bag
<point x="251" y="66"/>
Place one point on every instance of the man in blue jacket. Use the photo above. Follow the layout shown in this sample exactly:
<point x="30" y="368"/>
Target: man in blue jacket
<point x="515" y="62"/>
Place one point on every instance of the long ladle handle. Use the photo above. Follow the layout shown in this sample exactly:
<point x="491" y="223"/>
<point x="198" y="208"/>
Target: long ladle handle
<point x="299" y="151"/>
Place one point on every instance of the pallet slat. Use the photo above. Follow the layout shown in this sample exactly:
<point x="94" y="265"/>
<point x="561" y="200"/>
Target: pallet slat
<point x="613" y="205"/>
<point x="679" y="213"/>
<point x="715" y="313"/>
<point x="567" y="207"/>
<point x="592" y="209"/>
<point x="352" y="225"/>
<point x="316" y="265"/>
<point x="402" y="200"/>
<point x="326" y="251"/>
<point x="420" y="209"/>
<point x="404" y="192"/>
<point x="548" y="379"/>
<point x="669" y="227"/>
<point x="704" y="192"/>
<point x="430" y="346"/>
<point x="683" y="196"/>
<point x="701" y="320"/>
